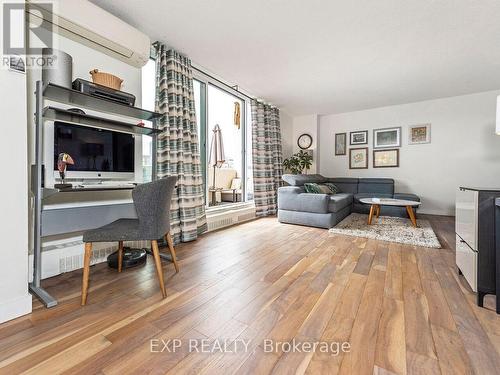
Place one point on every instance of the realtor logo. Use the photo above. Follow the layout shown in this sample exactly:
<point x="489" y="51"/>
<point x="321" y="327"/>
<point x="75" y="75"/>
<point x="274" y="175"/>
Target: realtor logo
<point x="39" y="29"/>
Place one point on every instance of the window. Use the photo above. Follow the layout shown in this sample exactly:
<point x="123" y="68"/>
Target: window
<point x="148" y="93"/>
<point x="215" y="104"/>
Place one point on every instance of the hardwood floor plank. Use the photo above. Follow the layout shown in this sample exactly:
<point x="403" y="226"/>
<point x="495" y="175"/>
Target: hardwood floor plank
<point x="451" y="352"/>
<point x="364" y="263"/>
<point x="69" y="357"/>
<point x="337" y="333"/>
<point x="123" y="341"/>
<point x="195" y="361"/>
<point x="260" y="362"/>
<point x="394" y="277"/>
<point x="381" y="256"/>
<point x="483" y="357"/>
<point x="411" y="276"/>
<point x="349" y="303"/>
<point x="254" y="334"/>
<point x="402" y="309"/>
<point x="418" y="364"/>
<point x="381" y="371"/>
<point x="417" y="324"/>
<point x="390" y="350"/>
<point x="360" y="360"/>
<point x="311" y="331"/>
<point x="439" y="312"/>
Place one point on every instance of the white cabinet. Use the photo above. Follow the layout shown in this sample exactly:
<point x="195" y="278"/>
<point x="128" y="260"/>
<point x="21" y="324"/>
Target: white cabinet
<point x="466" y="260"/>
<point x="466" y="216"/>
<point x="475" y="240"/>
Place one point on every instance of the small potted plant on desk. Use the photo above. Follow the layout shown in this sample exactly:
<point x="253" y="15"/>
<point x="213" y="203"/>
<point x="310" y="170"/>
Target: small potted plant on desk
<point x="298" y="163"/>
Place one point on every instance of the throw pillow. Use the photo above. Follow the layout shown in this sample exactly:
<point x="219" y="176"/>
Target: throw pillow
<point x="332" y="187"/>
<point x="314" y="188"/>
<point x="236" y="184"/>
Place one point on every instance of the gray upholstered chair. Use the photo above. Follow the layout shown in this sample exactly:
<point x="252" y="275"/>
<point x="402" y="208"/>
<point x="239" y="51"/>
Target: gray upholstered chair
<point x="152" y="203"/>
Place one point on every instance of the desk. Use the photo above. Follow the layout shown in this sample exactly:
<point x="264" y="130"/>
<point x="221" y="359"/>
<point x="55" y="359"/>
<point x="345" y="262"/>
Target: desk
<point x="67" y="219"/>
<point x="60" y="219"/>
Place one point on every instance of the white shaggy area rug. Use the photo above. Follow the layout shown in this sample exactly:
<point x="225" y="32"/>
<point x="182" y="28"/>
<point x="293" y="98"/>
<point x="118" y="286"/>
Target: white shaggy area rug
<point x="386" y="228"/>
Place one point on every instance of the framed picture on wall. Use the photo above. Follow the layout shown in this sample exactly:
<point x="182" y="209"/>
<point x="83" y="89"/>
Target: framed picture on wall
<point x="386" y="158"/>
<point x="358" y="158"/>
<point x="358" y="138"/>
<point x="387" y="137"/>
<point x="418" y="134"/>
<point x="340" y="143"/>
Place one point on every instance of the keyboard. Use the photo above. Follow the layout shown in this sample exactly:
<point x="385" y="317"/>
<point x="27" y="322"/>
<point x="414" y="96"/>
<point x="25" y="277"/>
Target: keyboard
<point x="107" y="185"/>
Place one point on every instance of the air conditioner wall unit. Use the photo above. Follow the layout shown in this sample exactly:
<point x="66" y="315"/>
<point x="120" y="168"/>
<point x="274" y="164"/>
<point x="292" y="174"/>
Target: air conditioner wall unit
<point x="88" y="24"/>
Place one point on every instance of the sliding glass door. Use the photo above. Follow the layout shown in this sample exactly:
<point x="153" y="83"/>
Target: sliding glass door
<point x="221" y="115"/>
<point x="227" y="173"/>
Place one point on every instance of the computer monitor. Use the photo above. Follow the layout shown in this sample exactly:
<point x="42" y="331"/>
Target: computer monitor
<point x="97" y="153"/>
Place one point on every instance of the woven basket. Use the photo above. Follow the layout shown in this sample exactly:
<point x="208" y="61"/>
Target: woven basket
<point x="106" y="79"/>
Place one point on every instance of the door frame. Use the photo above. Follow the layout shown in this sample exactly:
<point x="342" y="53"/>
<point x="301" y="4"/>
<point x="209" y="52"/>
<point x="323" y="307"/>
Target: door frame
<point x="207" y="80"/>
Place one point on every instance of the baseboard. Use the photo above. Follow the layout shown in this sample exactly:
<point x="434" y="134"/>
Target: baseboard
<point x="15" y="308"/>
<point x="435" y="212"/>
<point x="67" y="255"/>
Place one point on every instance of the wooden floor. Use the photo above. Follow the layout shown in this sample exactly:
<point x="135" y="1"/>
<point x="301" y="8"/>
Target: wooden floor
<point x="402" y="309"/>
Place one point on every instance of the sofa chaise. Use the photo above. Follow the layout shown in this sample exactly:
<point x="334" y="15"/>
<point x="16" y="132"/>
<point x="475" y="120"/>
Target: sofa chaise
<point x="295" y="206"/>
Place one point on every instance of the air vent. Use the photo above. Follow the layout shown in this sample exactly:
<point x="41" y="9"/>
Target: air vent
<point x="74" y="262"/>
<point x="230" y="217"/>
<point x="220" y="223"/>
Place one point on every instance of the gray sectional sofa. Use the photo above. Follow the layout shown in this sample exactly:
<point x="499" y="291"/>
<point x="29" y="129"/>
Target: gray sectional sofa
<point x="295" y="206"/>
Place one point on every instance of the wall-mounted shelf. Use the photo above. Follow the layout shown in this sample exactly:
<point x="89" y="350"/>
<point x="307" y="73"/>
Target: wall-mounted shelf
<point x="58" y="114"/>
<point x="73" y="97"/>
<point x="61" y="221"/>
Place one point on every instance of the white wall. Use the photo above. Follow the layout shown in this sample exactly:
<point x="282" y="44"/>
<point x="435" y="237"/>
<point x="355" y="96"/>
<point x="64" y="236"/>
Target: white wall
<point x="464" y="150"/>
<point x="286" y="126"/>
<point x="308" y="124"/>
<point x="14" y="297"/>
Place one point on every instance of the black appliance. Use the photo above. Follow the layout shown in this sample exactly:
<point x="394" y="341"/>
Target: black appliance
<point x="103" y="92"/>
<point x="131" y="258"/>
<point x="94" y="149"/>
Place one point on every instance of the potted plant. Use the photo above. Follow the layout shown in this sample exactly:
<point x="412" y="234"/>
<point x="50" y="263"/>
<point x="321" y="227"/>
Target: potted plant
<point x="297" y="163"/>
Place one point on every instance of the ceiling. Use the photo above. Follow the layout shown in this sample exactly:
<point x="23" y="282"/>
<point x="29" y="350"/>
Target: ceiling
<point x="332" y="56"/>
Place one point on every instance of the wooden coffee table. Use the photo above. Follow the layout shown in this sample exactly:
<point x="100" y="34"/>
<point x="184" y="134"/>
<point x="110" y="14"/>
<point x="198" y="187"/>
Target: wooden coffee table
<point x="377" y="202"/>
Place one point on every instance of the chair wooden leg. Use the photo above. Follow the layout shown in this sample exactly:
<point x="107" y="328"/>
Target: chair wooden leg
<point x="170" y="243"/>
<point x="120" y="255"/>
<point x="156" y="256"/>
<point x="86" y="271"/>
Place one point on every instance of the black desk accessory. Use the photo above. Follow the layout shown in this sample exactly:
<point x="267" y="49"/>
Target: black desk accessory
<point x="131" y="258"/>
<point x="103" y="92"/>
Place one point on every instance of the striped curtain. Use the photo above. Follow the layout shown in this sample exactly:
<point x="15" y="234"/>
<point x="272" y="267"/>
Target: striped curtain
<point x="267" y="157"/>
<point x="178" y="149"/>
